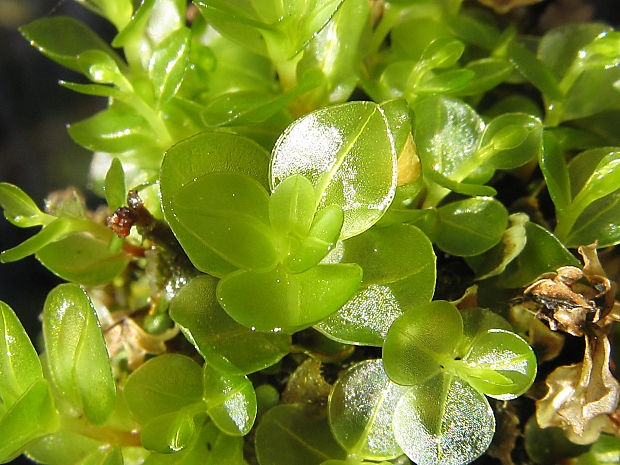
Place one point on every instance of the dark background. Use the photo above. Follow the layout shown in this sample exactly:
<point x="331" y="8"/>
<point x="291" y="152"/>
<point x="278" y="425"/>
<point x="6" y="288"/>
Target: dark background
<point x="37" y="154"/>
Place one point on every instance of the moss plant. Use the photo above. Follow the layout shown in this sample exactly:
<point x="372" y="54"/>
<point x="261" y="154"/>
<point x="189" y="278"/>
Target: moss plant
<point x="311" y="255"/>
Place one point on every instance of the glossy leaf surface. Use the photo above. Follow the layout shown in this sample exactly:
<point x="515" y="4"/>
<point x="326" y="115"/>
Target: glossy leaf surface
<point x="398" y="266"/>
<point x="168" y="63"/>
<point x="19" y="208"/>
<point x="115" y="190"/>
<point x="196" y="156"/>
<point x="33" y="415"/>
<point x="168" y="433"/>
<point x="82" y="259"/>
<point x="361" y="406"/>
<point x="287" y="435"/>
<point x="444" y="421"/>
<point x="224" y="343"/>
<point x="346" y="153"/>
<point x="231" y="401"/>
<point x="150" y="391"/>
<point x="62" y="448"/>
<point x="19" y="362"/>
<point x="77" y="353"/>
<point x="287" y="302"/>
<point x="414" y="349"/>
<point x="228" y="214"/>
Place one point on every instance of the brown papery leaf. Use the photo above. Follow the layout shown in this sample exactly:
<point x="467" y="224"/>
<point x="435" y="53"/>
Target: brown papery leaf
<point x="582" y="396"/>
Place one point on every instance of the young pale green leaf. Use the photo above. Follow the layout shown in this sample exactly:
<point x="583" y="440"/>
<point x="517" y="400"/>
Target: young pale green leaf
<point x="115" y="190"/>
<point x="444" y="421"/>
<point x="537" y="71"/>
<point x="32" y="416"/>
<point x="399" y="271"/>
<point x="361" y="406"/>
<point x="291" y="206"/>
<point x="604" y="180"/>
<point x="279" y="301"/>
<point x="542" y="253"/>
<point x="511" y="140"/>
<point x="77" y="353"/>
<point x="62" y="448"/>
<point x="196" y="156"/>
<point x="433" y="83"/>
<point x="82" y="259"/>
<point x="100" y="67"/>
<point x="19" y="208"/>
<point x="469" y="227"/>
<point x="443" y="52"/>
<point x="488" y="73"/>
<point x="168" y="433"/>
<point x="321" y="238"/>
<point x="168" y="63"/>
<point x="347" y="154"/>
<point x="62" y="39"/>
<point x="112" y="131"/>
<point x="231" y="401"/>
<point x="286" y="435"/>
<point x="555" y="170"/>
<point x="599" y="221"/>
<point x="224" y="343"/>
<point x="421" y="342"/>
<point x="110" y="455"/>
<point x="19" y="362"/>
<point x="477" y="321"/>
<point x="504" y="353"/>
<point x="117" y="12"/>
<point x="228" y="214"/>
<point x="92" y="89"/>
<point x="150" y="391"/>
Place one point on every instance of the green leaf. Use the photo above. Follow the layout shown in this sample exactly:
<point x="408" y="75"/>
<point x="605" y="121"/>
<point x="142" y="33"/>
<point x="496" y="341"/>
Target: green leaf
<point x="150" y="391"/>
<point x="51" y="232"/>
<point x="440" y="83"/>
<point x="62" y="448"/>
<point x="77" y="353"/>
<point x="62" y="39"/>
<point x="33" y="415"/>
<point x="19" y="362"/>
<point x="599" y="221"/>
<point x="604" y="180"/>
<point x="196" y="156"/>
<point x="112" y="131"/>
<point x="291" y="206"/>
<point x="100" y="67"/>
<point x="82" y="259"/>
<point x="512" y="140"/>
<point x="422" y="342"/>
<point x="443" y="52"/>
<point x="117" y="12"/>
<point x="334" y="146"/>
<point x="488" y="73"/>
<point x="224" y="343"/>
<point x="537" y="71"/>
<point x="115" y="190"/>
<point x="19" y="208"/>
<point x="399" y="272"/>
<point x="168" y="63"/>
<point x="228" y="214"/>
<point x="469" y="227"/>
<point x="361" y="406"/>
<point x="279" y="301"/>
<point x="110" y="455"/>
<point x="443" y="421"/>
<point x="91" y="89"/>
<point x="476" y="322"/>
<point x="286" y="435"/>
<point x="504" y="353"/>
<point x="542" y="253"/>
<point x="231" y="401"/>
<point x="168" y="433"/>
<point x="555" y="170"/>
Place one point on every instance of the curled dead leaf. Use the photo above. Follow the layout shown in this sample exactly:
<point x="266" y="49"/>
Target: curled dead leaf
<point x="582" y="396"/>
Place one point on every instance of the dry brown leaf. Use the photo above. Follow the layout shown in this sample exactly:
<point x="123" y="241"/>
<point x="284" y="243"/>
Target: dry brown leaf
<point x="582" y="396"/>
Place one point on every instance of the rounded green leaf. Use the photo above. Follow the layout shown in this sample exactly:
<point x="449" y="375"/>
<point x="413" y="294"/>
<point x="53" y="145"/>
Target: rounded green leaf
<point x="19" y="208"/>
<point x="443" y="422"/>
<point x="286" y="435"/>
<point x="347" y="154"/>
<point x="291" y="206"/>
<point x="231" y="401"/>
<point x="422" y="342"/>
<point x="207" y="152"/>
<point x="505" y="353"/>
<point x="151" y="391"/>
<point x="227" y="214"/>
<point x="471" y="226"/>
<point x="32" y="416"/>
<point x="280" y="301"/>
<point x="82" y="259"/>
<point x="168" y="433"/>
<point x="399" y="272"/>
<point x="224" y="343"/>
<point x="477" y="321"/>
<point x="489" y="72"/>
<point x="19" y="363"/>
<point x="361" y="406"/>
<point x="62" y="448"/>
<point x="77" y="353"/>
